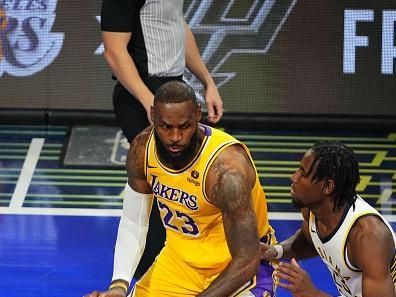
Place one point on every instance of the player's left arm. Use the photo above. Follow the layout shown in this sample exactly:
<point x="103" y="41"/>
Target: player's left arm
<point x="371" y="248"/>
<point x="230" y="181"/>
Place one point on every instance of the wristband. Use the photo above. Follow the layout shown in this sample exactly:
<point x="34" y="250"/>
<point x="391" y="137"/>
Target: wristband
<point x="119" y="285"/>
<point x="279" y="251"/>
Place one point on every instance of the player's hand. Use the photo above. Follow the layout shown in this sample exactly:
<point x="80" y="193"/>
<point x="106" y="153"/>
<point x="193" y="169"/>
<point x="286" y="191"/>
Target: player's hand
<point x="214" y="105"/>
<point x="298" y="281"/>
<point x="110" y="293"/>
<point x="267" y="252"/>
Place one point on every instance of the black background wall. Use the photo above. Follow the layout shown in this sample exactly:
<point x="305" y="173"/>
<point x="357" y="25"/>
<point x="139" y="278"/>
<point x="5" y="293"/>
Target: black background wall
<point x="272" y="60"/>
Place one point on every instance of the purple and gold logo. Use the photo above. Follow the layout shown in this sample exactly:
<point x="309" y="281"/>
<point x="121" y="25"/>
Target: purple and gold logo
<point x="27" y="44"/>
<point x="3" y="26"/>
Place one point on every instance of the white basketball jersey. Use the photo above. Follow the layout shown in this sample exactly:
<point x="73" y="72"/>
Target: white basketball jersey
<point x="333" y="250"/>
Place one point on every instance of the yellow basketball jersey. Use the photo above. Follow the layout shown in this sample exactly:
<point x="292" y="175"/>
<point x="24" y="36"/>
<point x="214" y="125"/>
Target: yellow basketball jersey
<point x="194" y="226"/>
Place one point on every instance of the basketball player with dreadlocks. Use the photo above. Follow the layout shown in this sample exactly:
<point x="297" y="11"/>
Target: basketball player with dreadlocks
<point x="350" y="236"/>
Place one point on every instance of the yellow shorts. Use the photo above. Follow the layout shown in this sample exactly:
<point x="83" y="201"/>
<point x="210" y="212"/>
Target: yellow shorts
<point x="169" y="276"/>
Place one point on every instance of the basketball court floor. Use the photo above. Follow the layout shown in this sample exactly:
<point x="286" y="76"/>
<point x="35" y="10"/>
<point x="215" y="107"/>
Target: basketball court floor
<point x="59" y="214"/>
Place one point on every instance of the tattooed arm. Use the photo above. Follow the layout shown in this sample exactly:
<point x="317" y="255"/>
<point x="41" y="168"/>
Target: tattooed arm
<point x="135" y="162"/>
<point x="230" y="180"/>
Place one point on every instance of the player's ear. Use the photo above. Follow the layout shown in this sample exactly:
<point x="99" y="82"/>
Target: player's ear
<point x="329" y="187"/>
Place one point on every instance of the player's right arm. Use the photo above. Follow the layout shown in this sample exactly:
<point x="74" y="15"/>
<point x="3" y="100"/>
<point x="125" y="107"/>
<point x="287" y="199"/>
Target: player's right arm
<point x="116" y="34"/>
<point x="133" y="227"/>
<point x="298" y="246"/>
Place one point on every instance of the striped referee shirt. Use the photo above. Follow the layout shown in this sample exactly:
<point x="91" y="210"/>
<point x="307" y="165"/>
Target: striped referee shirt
<point x="158" y="37"/>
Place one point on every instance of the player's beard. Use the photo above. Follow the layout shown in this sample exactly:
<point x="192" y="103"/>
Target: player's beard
<point x="181" y="160"/>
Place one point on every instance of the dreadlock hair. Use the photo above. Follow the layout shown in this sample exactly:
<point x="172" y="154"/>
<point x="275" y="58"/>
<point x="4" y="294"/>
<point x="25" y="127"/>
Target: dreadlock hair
<point x="337" y="162"/>
<point x="175" y="92"/>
